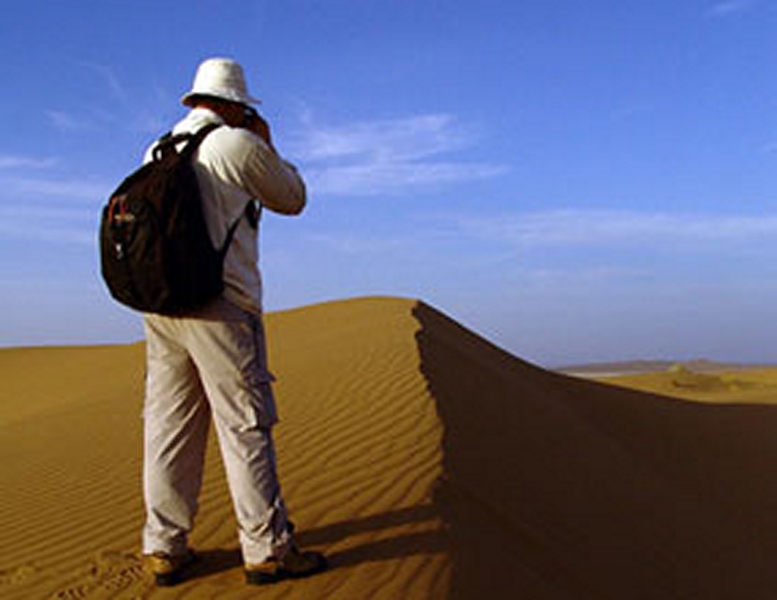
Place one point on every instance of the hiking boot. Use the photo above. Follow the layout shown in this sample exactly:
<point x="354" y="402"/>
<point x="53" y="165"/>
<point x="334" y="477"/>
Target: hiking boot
<point x="169" y="570"/>
<point x="293" y="565"/>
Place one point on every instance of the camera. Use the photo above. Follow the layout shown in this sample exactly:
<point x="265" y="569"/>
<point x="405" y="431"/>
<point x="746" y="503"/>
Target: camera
<point x="249" y="116"/>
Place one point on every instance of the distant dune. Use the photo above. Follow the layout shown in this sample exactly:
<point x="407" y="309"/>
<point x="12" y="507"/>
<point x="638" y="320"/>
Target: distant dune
<point x="724" y="385"/>
<point x="633" y="367"/>
<point x="423" y="460"/>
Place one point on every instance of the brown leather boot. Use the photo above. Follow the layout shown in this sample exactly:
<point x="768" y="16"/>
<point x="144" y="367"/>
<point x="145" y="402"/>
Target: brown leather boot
<point x="295" y="564"/>
<point x="167" y="569"/>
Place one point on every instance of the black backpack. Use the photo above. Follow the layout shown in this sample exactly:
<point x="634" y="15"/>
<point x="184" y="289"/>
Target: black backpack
<point x="156" y="254"/>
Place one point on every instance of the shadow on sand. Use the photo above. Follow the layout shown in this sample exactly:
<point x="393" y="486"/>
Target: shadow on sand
<point x="425" y="542"/>
<point x="562" y="489"/>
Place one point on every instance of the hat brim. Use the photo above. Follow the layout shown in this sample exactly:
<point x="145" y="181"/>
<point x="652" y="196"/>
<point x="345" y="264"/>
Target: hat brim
<point x="190" y="98"/>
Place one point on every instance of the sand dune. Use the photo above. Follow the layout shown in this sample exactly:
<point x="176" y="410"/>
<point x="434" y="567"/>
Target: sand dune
<point x="753" y="385"/>
<point x="426" y="462"/>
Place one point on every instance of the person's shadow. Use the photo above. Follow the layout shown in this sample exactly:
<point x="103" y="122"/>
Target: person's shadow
<point x="425" y="542"/>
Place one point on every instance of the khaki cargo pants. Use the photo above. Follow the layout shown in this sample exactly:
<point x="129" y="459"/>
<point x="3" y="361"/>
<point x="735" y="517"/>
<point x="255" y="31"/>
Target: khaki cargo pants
<point x="210" y="364"/>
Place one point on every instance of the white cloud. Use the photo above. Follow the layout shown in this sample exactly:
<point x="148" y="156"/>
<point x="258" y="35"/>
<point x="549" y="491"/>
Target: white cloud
<point x="731" y="7"/>
<point x="11" y="161"/>
<point x="599" y="227"/>
<point x="394" y="139"/>
<point x="360" y="245"/>
<point x="32" y="212"/>
<point x="65" y="121"/>
<point x="79" y="189"/>
<point x="110" y="104"/>
<point x="38" y="202"/>
<point x="769" y="148"/>
<point x="108" y="77"/>
<point x="50" y="210"/>
<point x="50" y="233"/>
<point x="392" y="156"/>
<point x="134" y="119"/>
<point x="389" y="177"/>
<point x="63" y="224"/>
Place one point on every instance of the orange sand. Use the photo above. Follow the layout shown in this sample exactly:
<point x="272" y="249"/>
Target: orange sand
<point x="423" y="460"/>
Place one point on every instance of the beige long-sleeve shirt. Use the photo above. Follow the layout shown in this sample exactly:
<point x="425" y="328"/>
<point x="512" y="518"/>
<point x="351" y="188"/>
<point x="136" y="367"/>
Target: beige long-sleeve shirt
<point x="234" y="166"/>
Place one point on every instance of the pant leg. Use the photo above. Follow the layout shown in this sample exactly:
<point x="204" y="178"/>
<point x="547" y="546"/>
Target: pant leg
<point x="228" y="348"/>
<point x="177" y="418"/>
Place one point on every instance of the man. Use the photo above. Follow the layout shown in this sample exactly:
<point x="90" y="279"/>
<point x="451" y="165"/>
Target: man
<point x="213" y="361"/>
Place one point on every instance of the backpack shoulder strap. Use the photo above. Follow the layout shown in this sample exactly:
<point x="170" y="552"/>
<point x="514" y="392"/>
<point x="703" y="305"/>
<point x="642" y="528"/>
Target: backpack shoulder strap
<point x="168" y="141"/>
<point x="196" y="138"/>
<point x="251" y="213"/>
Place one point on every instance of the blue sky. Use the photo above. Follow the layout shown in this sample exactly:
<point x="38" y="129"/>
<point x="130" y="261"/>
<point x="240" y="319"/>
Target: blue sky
<point x="578" y="181"/>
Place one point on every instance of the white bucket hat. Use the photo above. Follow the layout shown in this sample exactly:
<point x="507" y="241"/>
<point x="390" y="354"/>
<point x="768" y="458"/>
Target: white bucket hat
<point x="220" y="78"/>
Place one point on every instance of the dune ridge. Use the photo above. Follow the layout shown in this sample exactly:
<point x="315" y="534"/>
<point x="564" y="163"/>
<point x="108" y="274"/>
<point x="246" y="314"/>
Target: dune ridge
<point x="425" y="461"/>
<point x="611" y="493"/>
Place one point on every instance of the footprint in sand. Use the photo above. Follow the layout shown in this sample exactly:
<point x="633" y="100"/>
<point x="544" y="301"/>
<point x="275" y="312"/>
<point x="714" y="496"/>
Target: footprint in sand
<point x="108" y="574"/>
<point x="16" y="575"/>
